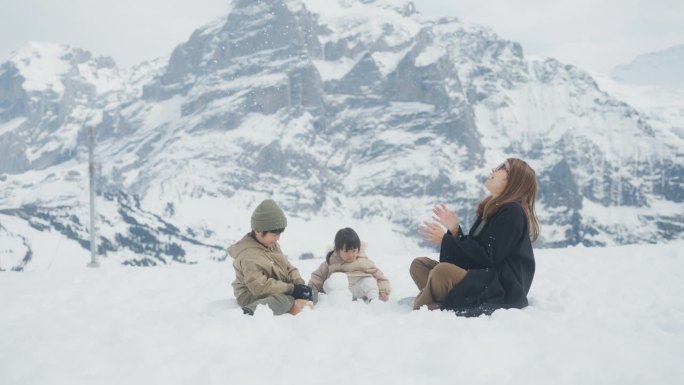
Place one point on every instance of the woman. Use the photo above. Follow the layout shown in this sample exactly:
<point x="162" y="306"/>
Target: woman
<point x="492" y="267"/>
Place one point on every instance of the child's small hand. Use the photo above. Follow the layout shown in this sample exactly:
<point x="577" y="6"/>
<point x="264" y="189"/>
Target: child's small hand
<point x="383" y="296"/>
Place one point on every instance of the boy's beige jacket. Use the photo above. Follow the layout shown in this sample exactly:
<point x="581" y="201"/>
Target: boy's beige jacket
<point x="261" y="271"/>
<point x="361" y="267"/>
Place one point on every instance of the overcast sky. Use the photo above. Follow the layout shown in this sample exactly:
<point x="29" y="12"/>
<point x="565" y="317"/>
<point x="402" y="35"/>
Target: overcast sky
<point x="596" y="34"/>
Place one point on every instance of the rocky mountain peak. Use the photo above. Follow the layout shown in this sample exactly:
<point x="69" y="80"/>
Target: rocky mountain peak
<point x="345" y="112"/>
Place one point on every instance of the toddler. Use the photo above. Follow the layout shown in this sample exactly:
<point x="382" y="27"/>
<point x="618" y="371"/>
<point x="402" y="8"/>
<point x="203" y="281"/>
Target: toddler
<point x="348" y="257"/>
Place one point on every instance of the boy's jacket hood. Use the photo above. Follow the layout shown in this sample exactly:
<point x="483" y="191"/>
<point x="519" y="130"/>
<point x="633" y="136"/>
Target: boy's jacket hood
<point x="245" y="243"/>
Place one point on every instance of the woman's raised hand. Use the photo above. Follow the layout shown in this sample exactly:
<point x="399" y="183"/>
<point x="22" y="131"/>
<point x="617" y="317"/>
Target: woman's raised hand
<point x="446" y="217"/>
<point x="431" y="232"/>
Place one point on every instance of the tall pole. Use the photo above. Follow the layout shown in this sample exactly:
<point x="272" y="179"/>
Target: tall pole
<point x="91" y="169"/>
<point x="1" y="251"/>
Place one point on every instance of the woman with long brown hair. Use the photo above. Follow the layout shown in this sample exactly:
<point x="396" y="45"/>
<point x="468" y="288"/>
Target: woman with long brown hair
<point x="493" y="265"/>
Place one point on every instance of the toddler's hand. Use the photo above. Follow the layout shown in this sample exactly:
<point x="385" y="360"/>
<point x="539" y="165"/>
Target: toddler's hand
<point x="383" y="296"/>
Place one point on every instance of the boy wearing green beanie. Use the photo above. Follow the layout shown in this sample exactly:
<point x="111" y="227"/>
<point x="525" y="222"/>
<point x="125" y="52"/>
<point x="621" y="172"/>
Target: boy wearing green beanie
<point x="262" y="273"/>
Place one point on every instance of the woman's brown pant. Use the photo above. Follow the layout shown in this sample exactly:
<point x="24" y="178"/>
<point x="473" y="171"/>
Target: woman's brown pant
<point x="434" y="280"/>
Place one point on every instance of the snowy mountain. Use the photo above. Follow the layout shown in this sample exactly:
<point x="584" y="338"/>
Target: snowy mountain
<point x="348" y="113"/>
<point x="654" y="84"/>
<point x="661" y="68"/>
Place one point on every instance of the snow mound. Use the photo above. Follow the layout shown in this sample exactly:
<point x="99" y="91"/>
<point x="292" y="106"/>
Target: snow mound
<point x="337" y="289"/>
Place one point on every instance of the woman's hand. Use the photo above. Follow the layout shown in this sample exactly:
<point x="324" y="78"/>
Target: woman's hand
<point x="432" y="232"/>
<point x="446" y="217"/>
<point x="383" y="296"/>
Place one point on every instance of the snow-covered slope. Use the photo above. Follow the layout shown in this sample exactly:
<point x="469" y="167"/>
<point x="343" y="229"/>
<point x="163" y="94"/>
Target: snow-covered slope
<point x="654" y="84"/>
<point x="348" y="113"/>
<point x="597" y="316"/>
<point x="661" y="68"/>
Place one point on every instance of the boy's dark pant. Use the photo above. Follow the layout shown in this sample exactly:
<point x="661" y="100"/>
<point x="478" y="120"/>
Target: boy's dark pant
<point x="278" y="303"/>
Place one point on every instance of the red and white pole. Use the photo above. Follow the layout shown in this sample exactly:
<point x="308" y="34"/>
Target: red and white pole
<point x="93" y="228"/>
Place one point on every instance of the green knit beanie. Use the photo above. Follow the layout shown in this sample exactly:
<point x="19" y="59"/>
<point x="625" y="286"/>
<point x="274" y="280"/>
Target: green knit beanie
<point x="268" y="216"/>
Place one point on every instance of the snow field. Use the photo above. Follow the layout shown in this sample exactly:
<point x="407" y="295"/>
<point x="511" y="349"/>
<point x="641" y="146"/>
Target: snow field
<point x="597" y="316"/>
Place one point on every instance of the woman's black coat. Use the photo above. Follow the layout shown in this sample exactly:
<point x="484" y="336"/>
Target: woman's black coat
<point x="499" y="260"/>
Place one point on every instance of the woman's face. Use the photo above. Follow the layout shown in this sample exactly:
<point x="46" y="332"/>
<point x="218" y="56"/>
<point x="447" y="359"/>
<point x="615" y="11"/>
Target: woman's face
<point x="349" y="255"/>
<point x="497" y="179"/>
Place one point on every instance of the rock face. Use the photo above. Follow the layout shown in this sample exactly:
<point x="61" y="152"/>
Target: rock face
<point x="355" y="109"/>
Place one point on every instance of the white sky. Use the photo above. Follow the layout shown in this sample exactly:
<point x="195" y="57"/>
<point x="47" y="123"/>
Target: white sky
<point x="596" y="34"/>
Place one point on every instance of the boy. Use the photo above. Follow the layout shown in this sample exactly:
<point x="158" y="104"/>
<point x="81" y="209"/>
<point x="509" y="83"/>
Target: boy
<point x="262" y="273"/>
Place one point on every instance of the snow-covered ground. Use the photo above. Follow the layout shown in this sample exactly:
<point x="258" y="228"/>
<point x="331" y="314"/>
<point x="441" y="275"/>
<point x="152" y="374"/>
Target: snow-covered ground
<point x="597" y="316"/>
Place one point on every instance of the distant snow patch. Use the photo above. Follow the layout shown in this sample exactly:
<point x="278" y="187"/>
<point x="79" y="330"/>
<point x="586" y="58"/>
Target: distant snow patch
<point x="11" y="125"/>
<point x="333" y="70"/>
<point x="163" y="112"/>
<point x="388" y="61"/>
<point x="42" y="66"/>
<point x="430" y="55"/>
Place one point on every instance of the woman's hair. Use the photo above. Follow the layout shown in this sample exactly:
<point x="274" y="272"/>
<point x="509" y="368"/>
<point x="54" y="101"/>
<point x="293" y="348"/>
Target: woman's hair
<point x="521" y="188"/>
<point x="345" y="239"/>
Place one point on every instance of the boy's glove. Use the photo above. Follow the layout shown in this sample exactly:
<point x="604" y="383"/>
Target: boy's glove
<point x="302" y="292"/>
